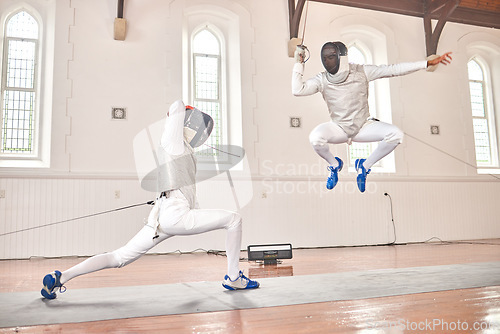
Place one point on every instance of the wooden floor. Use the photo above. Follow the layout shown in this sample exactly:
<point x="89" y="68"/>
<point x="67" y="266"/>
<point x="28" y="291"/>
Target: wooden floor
<point x="456" y="311"/>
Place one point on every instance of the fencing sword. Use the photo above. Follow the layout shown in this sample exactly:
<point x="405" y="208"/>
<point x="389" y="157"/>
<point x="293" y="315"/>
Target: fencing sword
<point x="302" y="47"/>
<point x="77" y="218"/>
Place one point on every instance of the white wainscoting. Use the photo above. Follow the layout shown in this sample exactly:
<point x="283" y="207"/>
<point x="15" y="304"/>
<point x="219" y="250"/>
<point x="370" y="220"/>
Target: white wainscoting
<point x="275" y="210"/>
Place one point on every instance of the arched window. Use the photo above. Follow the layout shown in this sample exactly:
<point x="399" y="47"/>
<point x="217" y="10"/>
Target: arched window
<point x="362" y="150"/>
<point x="482" y="118"/>
<point x="207" y="94"/>
<point x="19" y="86"/>
<point x="212" y="74"/>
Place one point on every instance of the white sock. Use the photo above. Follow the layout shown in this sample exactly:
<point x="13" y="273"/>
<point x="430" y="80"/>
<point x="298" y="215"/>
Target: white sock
<point x="94" y="263"/>
<point x="324" y="152"/>
<point x="383" y="149"/>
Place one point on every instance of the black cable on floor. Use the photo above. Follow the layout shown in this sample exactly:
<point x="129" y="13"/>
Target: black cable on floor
<point x="392" y="219"/>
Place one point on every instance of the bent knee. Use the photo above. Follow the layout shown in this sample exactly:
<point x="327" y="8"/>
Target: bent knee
<point x="236" y="221"/>
<point x="123" y="257"/>
<point x="316" y="139"/>
<point x="395" y="136"/>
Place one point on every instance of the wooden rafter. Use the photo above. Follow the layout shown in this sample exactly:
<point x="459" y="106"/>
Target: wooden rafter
<point x="445" y="8"/>
<point x="441" y="10"/>
<point x="482" y="13"/>
<point x="431" y="7"/>
<point x="119" y="13"/>
<point x="295" y="13"/>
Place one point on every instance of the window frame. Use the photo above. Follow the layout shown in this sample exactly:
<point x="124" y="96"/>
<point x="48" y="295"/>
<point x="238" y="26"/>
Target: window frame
<point x="372" y="104"/>
<point x="204" y="153"/>
<point x="44" y="14"/>
<point x="218" y="123"/>
<point x="35" y="129"/>
<point x="233" y="26"/>
<point x="377" y="42"/>
<point x="489" y="113"/>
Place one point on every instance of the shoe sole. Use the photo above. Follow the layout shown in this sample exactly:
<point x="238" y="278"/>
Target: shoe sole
<point x="361" y="185"/>
<point x="233" y="289"/>
<point x="47" y="280"/>
<point x="48" y="295"/>
<point x="48" y="285"/>
<point x="228" y="287"/>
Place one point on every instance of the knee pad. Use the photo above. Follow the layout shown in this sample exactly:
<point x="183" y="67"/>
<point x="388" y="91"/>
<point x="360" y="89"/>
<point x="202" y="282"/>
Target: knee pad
<point x="395" y="137"/>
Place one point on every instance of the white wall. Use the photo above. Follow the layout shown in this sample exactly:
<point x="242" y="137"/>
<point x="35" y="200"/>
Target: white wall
<point x="282" y="194"/>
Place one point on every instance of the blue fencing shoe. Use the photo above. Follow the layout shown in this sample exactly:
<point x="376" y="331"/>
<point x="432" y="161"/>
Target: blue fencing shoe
<point x="241" y="283"/>
<point x="334" y="178"/>
<point x="51" y="282"/>
<point x="362" y="173"/>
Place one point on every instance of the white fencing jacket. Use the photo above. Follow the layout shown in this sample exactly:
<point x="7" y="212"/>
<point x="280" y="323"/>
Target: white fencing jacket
<point x="347" y="100"/>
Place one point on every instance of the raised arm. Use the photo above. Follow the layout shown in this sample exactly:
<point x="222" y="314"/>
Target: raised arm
<point x="301" y="87"/>
<point x="172" y="139"/>
<point x="387" y="71"/>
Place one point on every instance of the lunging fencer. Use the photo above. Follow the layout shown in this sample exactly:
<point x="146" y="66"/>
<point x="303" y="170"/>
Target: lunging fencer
<point x="344" y="87"/>
<point x="176" y="209"/>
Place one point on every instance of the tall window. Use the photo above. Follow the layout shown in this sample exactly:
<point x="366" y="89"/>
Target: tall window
<point x="482" y="124"/>
<point x="362" y="150"/>
<point x="19" y="85"/>
<point x="207" y="80"/>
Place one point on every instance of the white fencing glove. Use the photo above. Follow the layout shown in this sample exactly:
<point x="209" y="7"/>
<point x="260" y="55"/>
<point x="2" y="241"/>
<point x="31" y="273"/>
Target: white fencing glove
<point x="300" y="54"/>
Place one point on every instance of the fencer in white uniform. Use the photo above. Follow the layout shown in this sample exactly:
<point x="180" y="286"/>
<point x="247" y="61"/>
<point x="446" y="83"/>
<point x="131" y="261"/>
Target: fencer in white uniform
<point x="175" y="212"/>
<point x="344" y="87"/>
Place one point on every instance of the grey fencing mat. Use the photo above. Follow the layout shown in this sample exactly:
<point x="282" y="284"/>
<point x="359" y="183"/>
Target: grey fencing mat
<point x="81" y="305"/>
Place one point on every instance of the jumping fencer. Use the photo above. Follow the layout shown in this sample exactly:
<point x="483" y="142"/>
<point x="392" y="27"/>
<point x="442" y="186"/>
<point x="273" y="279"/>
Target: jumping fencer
<point x="175" y="211"/>
<point x="344" y="87"/>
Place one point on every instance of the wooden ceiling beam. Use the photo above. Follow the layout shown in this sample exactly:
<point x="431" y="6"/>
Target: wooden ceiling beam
<point x="462" y="15"/>
<point x="294" y="13"/>
<point x="435" y="5"/>
<point x="432" y="37"/>
<point x="475" y="17"/>
<point x="404" y="7"/>
<point x="441" y="10"/>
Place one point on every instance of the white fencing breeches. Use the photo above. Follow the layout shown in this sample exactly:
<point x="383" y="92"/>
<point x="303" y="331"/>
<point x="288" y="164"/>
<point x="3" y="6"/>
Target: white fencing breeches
<point x="194" y="221"/>
<point x="389" y="137"/>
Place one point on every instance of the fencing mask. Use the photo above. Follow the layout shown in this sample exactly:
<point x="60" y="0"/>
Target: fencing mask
<point x="334" y="59"/>
<point x="197" y="126"/>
